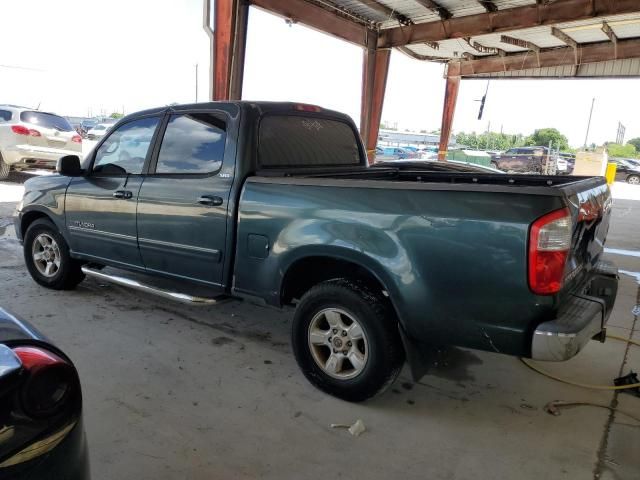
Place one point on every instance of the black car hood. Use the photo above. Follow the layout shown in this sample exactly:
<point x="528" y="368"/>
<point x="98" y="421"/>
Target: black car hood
<point x="12" y="329"/>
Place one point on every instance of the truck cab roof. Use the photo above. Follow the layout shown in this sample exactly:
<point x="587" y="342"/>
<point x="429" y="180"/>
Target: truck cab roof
<point x="260" y="107"/>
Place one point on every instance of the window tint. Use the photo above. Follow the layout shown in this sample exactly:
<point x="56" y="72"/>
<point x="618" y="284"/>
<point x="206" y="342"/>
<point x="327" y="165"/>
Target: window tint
<point x="305" y="141"/>
<point x="5" y="115"/>
<point x="192" y="143"/>
<point x="46" y="120"/>
<point x="125" y="150"/>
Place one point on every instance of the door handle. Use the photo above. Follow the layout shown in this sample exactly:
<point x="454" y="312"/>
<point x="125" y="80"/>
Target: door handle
<point x="210" y="200"/>
<point x="122" y="194"/>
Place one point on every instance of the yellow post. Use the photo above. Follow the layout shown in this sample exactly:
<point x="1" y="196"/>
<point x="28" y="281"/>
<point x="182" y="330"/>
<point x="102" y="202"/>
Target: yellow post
<point x="611" y="173"/>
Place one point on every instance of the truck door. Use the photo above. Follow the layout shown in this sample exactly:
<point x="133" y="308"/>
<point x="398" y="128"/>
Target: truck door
<point x="101" y="206"/>
<point x="182" y="205"/>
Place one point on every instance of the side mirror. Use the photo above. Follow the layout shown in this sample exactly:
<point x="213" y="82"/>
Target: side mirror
<point x="69" y="166"/>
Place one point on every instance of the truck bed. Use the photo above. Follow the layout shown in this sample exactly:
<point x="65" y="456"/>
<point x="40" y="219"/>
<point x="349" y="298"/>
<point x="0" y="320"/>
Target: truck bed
<point x="427" y="179"/>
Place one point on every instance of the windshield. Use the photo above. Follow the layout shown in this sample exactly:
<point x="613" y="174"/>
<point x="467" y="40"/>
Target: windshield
<point x="46" y="120"/>
<point x="306" y="141"/>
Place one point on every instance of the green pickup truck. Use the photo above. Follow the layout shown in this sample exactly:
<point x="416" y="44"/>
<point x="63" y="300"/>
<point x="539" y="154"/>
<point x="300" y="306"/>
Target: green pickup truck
<point x="275" y="203"/>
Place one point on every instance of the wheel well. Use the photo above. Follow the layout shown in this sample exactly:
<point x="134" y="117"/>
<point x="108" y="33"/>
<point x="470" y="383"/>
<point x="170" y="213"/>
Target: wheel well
<point x="310" y="271"/>
<point x="30" y="217"/>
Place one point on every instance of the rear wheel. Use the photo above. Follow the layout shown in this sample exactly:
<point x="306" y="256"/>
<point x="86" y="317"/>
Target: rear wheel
<point x="46" y="255"/>
<point x="633" y="179"/>
<point x="495" y="165"/>
<point x="346" y="341"/>
<point x="4" y="169"/>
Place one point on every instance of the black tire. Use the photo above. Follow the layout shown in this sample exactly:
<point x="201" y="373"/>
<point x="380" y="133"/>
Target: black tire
<point x="379" y="325"/>
<point x="633" y="179"/>
<point x="68" y="274"/>
<point x="4" y="169"/>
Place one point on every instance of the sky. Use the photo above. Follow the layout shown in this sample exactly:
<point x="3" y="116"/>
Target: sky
<point x="87" y="57"/>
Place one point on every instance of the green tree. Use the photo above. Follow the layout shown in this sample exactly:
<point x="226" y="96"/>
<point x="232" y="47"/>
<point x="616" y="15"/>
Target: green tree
<point x="543" y="136"/>
<point x="636" y="143"/>
<point x="116" y="115"/>
<point x="489" y="140"/>
<point x="625" y="151"/>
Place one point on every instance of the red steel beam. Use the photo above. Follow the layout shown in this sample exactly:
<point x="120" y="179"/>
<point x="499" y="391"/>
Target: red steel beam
<point x="223" y="34"/>
<point x="375" y="68"/>
<point x="450" y="99"/>
<point x="229" y="42"/>
<point x="554" y="57"/>
<point x="317" y="18"/>
<point x="505" y="20"/>
<point x="239" y="49"/>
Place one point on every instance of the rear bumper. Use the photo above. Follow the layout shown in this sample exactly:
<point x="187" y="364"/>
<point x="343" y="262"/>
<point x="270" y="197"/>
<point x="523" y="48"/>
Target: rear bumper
<point x="582" y="319"/>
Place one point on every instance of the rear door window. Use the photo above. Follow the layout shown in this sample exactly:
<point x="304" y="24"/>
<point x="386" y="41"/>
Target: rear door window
<point x="5" y="116"/>
<point x="192" y="143"/>
<point x="306" y="141"/>
<point x="46" y="120"/>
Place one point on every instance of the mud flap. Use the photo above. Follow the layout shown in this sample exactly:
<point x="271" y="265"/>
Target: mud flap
<point x="420" y="356"/>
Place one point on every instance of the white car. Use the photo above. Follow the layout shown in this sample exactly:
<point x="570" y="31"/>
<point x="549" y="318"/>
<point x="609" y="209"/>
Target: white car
<point x="31" y="139"/>
<point x="99" y="131"/>
<point x="562" y="165"/>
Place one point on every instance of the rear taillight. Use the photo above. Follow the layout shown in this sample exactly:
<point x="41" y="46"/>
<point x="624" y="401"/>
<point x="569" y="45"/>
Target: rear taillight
<point x="549" y="244"/>
<point x="51" y="383"/>
<point x="76" y="139"/>
<point x="21" y="130"/>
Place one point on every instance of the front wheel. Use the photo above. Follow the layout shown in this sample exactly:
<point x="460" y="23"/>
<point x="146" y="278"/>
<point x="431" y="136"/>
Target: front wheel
<point x="346" y="341"/>
<point x="633" y="179"/>
<point x="46" y="255"/>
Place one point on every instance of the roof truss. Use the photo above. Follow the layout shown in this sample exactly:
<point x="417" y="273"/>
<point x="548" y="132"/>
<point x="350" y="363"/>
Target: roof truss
<point x="547" y="57"/>
<point x="507" y="20"/>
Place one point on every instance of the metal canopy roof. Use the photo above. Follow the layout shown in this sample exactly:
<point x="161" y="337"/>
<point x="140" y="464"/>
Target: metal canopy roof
<point x="487" y="38"/>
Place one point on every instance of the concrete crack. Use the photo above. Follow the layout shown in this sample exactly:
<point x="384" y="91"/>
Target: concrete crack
<point x="602" y="458"/>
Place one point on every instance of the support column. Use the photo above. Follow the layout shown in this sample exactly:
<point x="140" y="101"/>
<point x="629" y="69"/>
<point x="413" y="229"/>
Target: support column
<point x="375" y="67"/>
<point x="450" y="98"/>
<point x="228" y="43"/>
<point x="239" y="49"/>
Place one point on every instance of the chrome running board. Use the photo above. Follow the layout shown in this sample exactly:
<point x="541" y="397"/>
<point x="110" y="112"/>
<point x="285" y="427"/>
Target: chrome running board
<point x="160" y="292"/>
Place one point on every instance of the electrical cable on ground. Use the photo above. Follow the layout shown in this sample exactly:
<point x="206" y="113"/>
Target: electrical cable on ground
<point x="586" y="385"/>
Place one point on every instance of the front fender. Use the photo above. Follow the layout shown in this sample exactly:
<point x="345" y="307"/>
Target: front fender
<point x="43" y="195"/>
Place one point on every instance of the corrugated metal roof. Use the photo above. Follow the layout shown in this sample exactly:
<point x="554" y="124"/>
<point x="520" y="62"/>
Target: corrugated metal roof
<point x="586" y="31"/>
<point x="414" y="10"/>
<point x="384" y="14"/>
<point x="611" y="68"/>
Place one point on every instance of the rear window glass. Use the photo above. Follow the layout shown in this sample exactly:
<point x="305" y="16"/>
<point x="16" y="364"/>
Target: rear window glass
<point x="192" y="143"/>
<point x="306" y="141"/>
<point x="5" y="115"/>
<point x="46" y="120"/>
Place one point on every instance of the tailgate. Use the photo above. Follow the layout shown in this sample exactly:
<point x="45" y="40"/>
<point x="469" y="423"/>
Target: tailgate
<point x="590" y="204"/>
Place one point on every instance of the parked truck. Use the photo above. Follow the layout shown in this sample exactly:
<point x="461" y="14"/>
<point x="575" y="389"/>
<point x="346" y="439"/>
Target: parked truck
<point x="275" y="203"/>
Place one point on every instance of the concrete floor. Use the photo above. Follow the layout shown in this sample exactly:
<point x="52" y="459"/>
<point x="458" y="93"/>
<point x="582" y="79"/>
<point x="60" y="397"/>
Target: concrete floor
<point x="173" y="392"/>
